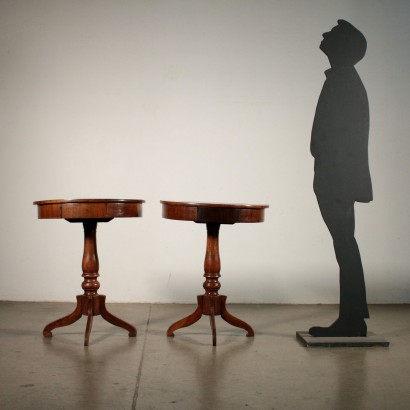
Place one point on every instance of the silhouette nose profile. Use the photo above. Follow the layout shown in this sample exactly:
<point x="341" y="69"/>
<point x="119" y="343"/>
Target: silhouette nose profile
<point x="327" y="34"/>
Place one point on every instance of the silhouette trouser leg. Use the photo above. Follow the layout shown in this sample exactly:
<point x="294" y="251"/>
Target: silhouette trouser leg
<point x="339" y="218"/>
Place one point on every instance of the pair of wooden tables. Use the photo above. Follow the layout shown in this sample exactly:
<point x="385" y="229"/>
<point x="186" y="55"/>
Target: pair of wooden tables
<point x="90" y="212"/>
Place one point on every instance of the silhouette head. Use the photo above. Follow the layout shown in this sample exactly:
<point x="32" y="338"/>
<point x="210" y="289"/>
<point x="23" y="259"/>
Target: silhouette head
<point x="344" y="45"/>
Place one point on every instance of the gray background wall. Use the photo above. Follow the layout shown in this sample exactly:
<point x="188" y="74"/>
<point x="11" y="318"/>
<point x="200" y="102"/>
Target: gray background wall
<point x="192" y="100"/>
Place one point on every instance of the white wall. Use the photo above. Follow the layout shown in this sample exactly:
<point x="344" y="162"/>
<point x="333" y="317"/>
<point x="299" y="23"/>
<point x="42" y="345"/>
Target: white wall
<point x="192" y="100"/>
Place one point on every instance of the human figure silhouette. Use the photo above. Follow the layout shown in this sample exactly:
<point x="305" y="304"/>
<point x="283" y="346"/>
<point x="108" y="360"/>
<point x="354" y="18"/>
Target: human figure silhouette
<point x="339" y="144"/>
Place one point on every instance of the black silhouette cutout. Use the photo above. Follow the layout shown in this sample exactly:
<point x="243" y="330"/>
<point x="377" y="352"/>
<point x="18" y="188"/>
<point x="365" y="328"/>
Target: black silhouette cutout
<point x="339" y="145"/>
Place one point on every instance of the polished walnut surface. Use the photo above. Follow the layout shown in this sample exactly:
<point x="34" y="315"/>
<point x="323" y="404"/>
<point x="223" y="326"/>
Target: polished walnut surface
<point x="213" y="212"/>
<point x="89" y="208"/>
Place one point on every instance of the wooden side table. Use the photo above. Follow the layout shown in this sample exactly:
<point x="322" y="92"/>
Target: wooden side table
<point x="213" y="215"/>
<point x="89" y="212"/>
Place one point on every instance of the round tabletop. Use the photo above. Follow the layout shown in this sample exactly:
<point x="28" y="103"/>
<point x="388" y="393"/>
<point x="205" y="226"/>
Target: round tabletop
<point x="213" y="212"/>
<point x="79" y="209"/>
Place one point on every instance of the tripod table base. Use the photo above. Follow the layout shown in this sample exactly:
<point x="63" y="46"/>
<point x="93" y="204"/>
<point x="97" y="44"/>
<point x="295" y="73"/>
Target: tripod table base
<point x="89" y="306"/>
<point x="211" y="306"/>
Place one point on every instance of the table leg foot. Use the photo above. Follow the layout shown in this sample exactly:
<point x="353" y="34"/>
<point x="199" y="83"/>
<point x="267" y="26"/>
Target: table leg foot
<point x="90" y="317"/>
<point x="187" y="321"/>
<point x="64" y="321"/>
<point x="114" y="320"/>
<point x="234" y="321"/>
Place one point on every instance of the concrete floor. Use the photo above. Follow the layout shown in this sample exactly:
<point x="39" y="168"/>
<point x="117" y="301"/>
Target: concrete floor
<point x="270" y="371"/>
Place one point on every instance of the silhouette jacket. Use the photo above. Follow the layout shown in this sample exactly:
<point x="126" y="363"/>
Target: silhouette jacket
<point x="339" y="140"/>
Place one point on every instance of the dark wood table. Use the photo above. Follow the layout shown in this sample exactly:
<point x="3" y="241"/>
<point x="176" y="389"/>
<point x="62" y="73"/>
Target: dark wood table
<point x="213" y="215"/>
<point x="89" y="212"/>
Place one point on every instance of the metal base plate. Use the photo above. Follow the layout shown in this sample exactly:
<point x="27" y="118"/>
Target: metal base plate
<point x="370" y="340"/>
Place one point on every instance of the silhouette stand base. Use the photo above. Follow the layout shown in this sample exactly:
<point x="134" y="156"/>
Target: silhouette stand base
<point x="356" y="341"/>
<point x="210" y="306"/>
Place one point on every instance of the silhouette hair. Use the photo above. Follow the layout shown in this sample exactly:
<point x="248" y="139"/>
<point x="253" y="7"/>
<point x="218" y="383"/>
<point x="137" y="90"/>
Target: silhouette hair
<point x="355" y="43"/>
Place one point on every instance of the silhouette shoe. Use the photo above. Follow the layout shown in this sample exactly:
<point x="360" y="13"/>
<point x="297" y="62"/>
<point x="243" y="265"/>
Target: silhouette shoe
<point x="341" y="328"/>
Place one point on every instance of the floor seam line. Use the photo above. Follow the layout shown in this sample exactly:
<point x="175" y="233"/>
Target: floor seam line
<point x="135" y="397"/>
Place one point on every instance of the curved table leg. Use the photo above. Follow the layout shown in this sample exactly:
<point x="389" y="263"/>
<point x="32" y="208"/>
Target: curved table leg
<point x="114" y="320"/>
<point x="187" y="321"/>
<point x="234" y="321"/>
<point x="64" y="321"/>
<point x="212" y="320"/>
<point x="90" y="317"/>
